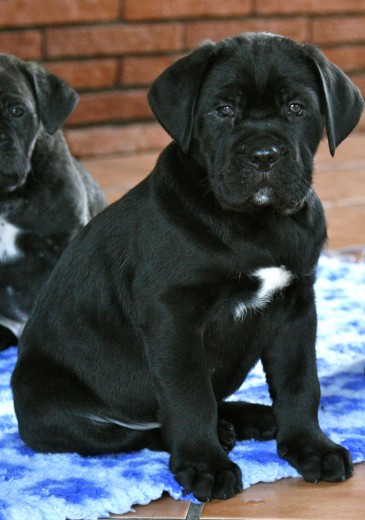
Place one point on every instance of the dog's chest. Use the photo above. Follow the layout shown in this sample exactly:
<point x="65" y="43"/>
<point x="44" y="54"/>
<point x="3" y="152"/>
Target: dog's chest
<point x="9" y="234"/>
<point x="271" y="281"/>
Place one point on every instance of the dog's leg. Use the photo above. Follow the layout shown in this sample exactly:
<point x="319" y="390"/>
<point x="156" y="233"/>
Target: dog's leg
<point x="188" y="409"/>
<point x="290" y="366"/>
<point x="58" y="413"/>
<point x="250" y="421"/>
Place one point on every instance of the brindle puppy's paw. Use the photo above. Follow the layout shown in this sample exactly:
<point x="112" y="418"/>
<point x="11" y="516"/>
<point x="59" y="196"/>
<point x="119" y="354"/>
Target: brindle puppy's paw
<point x="226" y="435"/>
<point x="212" y="478"/>
<point x="317" y="458"/>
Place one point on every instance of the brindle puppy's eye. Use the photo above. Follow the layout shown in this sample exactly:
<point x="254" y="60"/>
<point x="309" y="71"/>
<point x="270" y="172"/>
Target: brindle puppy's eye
<point x="16" y="111"/>
<point x="296" y="109"/>
<point x="225" y="111"/>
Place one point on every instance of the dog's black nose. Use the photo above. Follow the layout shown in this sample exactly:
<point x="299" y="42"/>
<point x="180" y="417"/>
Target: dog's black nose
<point x="265" y="158"/>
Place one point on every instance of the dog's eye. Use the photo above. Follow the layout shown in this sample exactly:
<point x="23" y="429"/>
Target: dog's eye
<point x="16" y="111"/>
<point x="296" y="109"/>
<point x="225" y="111"/>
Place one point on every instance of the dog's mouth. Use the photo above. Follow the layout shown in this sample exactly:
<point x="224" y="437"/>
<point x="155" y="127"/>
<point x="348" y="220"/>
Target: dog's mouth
<point x="263" y="197"/>
<point x="11" y="182"/>
<point x="266" y="196"/>
<point x="232" y="197"/>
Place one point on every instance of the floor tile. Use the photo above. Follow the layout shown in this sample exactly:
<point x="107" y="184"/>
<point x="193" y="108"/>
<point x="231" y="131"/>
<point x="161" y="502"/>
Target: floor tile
<point x="346" y="226"/>
<point x="294" y="499"/>
<point x="117" y="175"/>
<point x="165" y="507"/>
<point x="352" y="149"/>
<point x="341" y="185"/>
<point x="352" y="254"/>
<point x="114" y="194"/>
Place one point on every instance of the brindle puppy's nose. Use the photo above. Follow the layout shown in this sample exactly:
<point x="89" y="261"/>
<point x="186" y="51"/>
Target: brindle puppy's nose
<point x="265" y="158"/>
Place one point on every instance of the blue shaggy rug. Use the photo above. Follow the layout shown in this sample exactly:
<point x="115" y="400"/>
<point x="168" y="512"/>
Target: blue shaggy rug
<point x="56" y="487"/>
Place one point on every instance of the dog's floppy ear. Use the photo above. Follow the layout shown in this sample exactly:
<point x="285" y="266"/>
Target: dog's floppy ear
<point x="173" y="94"/>
<point x="55" y="98"/>
<point x="343" y="100"/>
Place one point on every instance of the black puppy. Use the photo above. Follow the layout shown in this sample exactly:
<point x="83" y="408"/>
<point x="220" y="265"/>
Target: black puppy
<point x="45" y="195"/>
<point x="160" y="307"/>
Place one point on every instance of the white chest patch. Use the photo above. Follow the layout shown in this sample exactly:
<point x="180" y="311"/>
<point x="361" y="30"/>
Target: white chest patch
<point x="272" y="280"/>
<point x="8" y="236"/>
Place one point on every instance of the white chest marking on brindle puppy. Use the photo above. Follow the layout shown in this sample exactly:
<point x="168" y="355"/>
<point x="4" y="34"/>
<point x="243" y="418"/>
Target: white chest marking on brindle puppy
<point x="273" y="279"/>
<point x="8" y="236"/>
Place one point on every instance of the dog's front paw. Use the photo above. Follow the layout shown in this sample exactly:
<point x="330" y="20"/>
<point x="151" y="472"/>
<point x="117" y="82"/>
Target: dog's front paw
<point x="209" y="479"/>
<point x="317" y="458"/>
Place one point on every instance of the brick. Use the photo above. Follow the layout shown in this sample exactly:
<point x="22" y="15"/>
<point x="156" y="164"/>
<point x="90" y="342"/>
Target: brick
<point x="114" y="39"/>
<point x="342" y="29"/>
<point x="86" y="74"/>
<point x="172" y="9"/>
<point x="349" y="57"/>
<point x="143" y="70"/>
<point x="86" y="142"/>
<point x="359" y="80"/>
<point x="296" y="28"/>
<point x="111" y="106"/>
<point x="308" y="6"/>
<point x="27" y="45"/>
<point x="15" y="13"/>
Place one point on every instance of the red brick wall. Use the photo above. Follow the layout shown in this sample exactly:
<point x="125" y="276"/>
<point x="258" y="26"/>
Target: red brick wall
<point x="110" y="50"/>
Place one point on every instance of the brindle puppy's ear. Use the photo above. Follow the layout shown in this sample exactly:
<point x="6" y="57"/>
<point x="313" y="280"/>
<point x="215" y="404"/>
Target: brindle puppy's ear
<point x="55" y="98"/>
<point x="173" y="94"/>
<point x="343" y="102"/>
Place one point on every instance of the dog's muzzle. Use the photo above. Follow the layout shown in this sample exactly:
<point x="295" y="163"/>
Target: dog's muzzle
<point x="10" y="182"/>
<point x="263" y="160"/>
<point x="14" y="163"/>
<point x="266" y="161"/>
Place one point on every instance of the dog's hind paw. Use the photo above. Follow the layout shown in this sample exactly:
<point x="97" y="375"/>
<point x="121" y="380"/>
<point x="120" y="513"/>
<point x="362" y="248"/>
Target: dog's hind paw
<point x="250" y="420"/>
<point x="226" y="435"/>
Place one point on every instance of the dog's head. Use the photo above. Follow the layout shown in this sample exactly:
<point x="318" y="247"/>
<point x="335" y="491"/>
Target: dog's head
<point x="30" y="99"/>
<point x="251" y="110"/>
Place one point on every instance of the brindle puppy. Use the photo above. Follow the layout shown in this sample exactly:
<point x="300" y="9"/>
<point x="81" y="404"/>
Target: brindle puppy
<point x="46" y="196"/>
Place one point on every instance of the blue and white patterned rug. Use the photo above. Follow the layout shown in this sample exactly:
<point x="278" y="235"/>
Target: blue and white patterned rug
<point x="56" y="487"/>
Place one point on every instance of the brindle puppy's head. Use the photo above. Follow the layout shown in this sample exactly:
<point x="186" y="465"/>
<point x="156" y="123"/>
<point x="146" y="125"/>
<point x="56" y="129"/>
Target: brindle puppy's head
<point x="252" y="110"/>
<point x="30" y="99"/>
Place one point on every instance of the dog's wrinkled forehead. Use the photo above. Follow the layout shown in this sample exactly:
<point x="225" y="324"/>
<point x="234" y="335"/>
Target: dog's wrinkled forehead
<point x="260" y="68"/>
<point x="257" y="65"/>
<point x="12" y="80"/>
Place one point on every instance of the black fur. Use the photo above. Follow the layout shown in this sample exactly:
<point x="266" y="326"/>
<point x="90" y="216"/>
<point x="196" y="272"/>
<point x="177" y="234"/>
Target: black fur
<point x="44" y="193"/>
<point x="136" y="324"/>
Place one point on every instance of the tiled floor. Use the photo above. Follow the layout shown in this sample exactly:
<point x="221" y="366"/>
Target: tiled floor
<point x="340" y="182"/>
